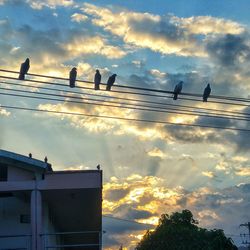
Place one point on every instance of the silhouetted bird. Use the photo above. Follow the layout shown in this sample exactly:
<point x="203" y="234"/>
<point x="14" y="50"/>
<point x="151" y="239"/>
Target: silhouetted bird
<point x="206" y="93"/>
<point x="30" y="155"/>
<point x="45" y="159"/>
<point x="24" y="69"/>
<point x="72" y="77"/>
<point x="177" y="90"/>
<point x="110" y="82"/>
<point x="98" y="166"/>
<point x="97" y="79"/>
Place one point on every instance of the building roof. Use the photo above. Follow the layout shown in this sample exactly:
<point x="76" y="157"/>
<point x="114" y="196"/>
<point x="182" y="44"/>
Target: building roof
<point x="23" y="161"/>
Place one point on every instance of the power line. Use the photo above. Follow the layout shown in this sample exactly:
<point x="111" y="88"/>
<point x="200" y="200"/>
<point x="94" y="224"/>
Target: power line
<point x="171" y="111"/>
<point x="152" y="225"/>
<point x="138" y="88"/>
<point x="129" y="92"/>
<point x="125" y="119"/>
<point x="129" y="99"/>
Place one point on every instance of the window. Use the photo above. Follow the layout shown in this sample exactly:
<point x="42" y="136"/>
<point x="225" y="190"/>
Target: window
<point x="25" y="218"/>
<point x="6" y="194"/>
<point x="3" y="172"/>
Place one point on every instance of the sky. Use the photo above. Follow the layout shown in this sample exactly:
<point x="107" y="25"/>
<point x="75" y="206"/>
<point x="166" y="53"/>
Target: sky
<point x="149" y="168"/>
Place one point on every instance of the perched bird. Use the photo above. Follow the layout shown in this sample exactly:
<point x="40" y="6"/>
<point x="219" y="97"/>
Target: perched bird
<point x="177" y="90"/>
<point x="110" y="82"/>
<point x="45" y="159"/>
<point x="30" y="155"/>
<point x="97" y="79"/>
<point x="98" y="166"/>
<point x="206" y="93"/>
<point x="24" y="69"/>
<point x="72" y="77"/>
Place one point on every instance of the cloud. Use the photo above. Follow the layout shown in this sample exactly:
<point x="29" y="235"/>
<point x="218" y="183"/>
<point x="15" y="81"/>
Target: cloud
<point x="209" y="174"/>
<point x="208" y="24"/>
<point x="157" y="73"/>
<point x="233" y="166"/>
<point x="77" y="17"/>
<point x="81" y="45"/>
<point x="156" y="152"/>
<point x="145" y="198"/>
<point x="165" y="34"/>
<point x="229" y="50"/>
<point x="242" y="171"/>
<point x="4" y="112"/>
<point x="37" y="4"/>
<point x="50" y="51"/>
<point x="145" y="30"/>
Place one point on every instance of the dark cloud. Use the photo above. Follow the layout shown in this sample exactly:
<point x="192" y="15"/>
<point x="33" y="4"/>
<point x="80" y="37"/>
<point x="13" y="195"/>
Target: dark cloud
<point x="229" y="50"/>
<point x="29" y="43"/>
<point x="193" y="134"/>
<point x="163" y="28"/>
<point x="116" y="226"/>
<point x="116" y="194"/>
<point x="139" y="214"/>
<point x="130" y="212"/>
<point x="37" y="42"/>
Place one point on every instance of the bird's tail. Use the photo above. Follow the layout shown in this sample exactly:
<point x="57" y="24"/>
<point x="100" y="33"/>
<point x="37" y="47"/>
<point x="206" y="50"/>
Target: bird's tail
<point x="108" y="87"/>
<point x="72" y="84"/>
<point x="21" y="76"/>
<point x="204" y="99"/>
<point x="175" y="96"/>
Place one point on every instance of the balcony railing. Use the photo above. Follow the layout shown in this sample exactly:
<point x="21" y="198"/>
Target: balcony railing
<point x="54" y="241"/>
<point x="79" y="239"/>
<point x="15" y="242"/>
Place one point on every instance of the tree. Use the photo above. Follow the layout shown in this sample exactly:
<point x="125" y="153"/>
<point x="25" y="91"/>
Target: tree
<point x="179" y="231"/>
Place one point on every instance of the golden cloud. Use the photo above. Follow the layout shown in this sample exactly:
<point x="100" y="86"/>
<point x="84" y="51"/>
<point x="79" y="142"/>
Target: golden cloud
<point x="123" y="24"/>
<point x="207" y="24"/>
<point x="81" y="45"/>
<point x="145" y="198"/>
<point x="4" y="112"/>
<point x="209" y="174"/>
<point x="156" y="152"/>
<point x="242" y="171"/>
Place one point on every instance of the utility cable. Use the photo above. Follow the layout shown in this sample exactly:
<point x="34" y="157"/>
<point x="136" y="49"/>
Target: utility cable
<point x="114" y="106"/>
<point x="138" y="88"/>
<point x="125" y="119"/>
<point x="129" y="99"/>
<point x="132" y="93"/>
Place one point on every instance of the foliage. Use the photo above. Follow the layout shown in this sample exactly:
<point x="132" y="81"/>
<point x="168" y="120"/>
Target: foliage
<point x="179" y="231"/>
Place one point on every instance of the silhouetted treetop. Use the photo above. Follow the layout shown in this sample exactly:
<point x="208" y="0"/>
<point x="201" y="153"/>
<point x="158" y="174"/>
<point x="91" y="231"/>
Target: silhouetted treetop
<point x="179" y="231"/>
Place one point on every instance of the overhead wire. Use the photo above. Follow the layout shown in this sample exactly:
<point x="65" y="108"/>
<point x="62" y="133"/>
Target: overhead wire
<point x="146" y="108"/>
<point x="137" y="88"/>
<point x="239" y="116"/>
<point x="147" y="224"/>
<point x="129" y="92"/>
<point x="131" y="99"/>
<point x="125" y="119"/>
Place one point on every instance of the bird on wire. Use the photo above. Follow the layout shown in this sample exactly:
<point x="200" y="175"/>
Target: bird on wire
<point x="24" y="69"/>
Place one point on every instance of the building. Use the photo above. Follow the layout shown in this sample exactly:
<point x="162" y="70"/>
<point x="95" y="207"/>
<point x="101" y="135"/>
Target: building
<point x="45" y="209"/>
